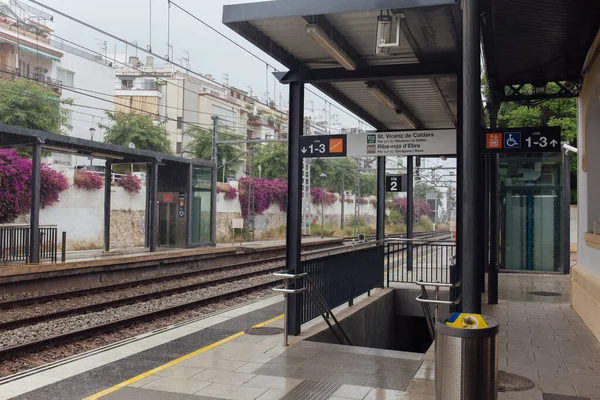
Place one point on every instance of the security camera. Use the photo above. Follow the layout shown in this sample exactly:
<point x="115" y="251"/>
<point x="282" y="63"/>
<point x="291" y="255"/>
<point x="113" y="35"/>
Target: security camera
<point x="568" y="148"/>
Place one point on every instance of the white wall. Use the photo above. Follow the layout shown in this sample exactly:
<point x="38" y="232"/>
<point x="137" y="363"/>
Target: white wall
<point x="90" y="76"/>
<point x="81" y="212"/>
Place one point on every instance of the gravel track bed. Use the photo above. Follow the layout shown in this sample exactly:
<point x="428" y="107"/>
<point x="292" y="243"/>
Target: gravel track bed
<point x="59" y="326"/>
<point x="80" y="301"/>
<point x="166" y="274"/>
<point x="9" y="367"/>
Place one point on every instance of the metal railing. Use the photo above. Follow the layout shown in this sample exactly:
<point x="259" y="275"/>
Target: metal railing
<point x="342" y="277"/>
<point x="332" y="277"/>
<point x="426" y="302"/>
<point x="317" y="299"/>
<point x="431" y="260"/>
<point x="14" y="243"/>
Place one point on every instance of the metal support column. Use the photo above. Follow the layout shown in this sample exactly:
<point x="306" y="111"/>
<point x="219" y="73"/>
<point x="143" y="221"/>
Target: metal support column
<point x="493" y="216"/>
<point x="410" y="210"/>
<point x="153" y="182"/>
<point x="380" y="198"/>
<point x="34" y="221"/>
<point x="567" y="213"/>
<point x="468" y="159"/>
<point x="484" y="247"/>
<point x="294" y="204"/>
<point x="107" y="195"/>
<point x="213" y="199"/>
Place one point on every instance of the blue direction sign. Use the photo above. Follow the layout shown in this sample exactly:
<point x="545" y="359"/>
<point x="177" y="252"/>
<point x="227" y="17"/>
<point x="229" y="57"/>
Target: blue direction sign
<point x="522" y="140"/>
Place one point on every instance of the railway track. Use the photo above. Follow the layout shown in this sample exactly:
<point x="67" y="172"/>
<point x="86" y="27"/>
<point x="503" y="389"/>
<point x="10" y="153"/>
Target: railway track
<point x="262" y="275"/>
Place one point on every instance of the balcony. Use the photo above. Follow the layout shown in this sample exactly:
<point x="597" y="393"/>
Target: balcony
<point x="10" y="73"/>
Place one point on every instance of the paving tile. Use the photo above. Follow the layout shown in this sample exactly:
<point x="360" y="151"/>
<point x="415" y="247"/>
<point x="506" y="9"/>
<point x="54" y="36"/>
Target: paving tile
<point x="231" y="392"/>
<point x="387" y="394"/>
<point x="272" y="394"/>
<point x="177" y="371"/>
<point x="212" y="363"/>
<point x="350" y="378"/>
<point x="211" y="375"/>
<point x="176" y="385"/>
<point x="427" y="374"/>
<point x="395" y="354"/>
<point x="421" y="386"/>
<point x="352" y="392"/>
<point x="273" y="382"/>
<point x="276" y="370"/>
<point x="252" y="357"/>
<point x="396" y="363"/>
<point x="588" y="390"/>
<point x="317" y="374"/>
<point x="559" y="388"/>
<point x="368" y="359"/>
<point x="144" y="381"/>
<point x="286" y="359"/>
<point x="249" y="368"/>
<point x="357" y="368"/>
<point x="390" y="380"/>
<point x="129" y="393"/>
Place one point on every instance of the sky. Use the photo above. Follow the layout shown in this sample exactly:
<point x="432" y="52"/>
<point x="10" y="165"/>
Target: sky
<point x="209" y="53"/>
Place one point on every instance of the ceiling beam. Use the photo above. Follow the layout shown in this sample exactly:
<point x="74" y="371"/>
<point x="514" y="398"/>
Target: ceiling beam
<point x="456" y="67"/>
<point x="341" y="41"/>
<point x="404" y="71"/>
<point x="263" y="42"/>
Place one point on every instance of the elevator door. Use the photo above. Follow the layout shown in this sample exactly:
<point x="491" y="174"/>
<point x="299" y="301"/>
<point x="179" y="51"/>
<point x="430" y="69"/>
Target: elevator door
<point x="167" y="232"/>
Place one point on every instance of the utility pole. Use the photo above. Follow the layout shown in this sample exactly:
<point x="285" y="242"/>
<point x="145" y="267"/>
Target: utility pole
<point x="342" y="198"/>
<point x="251" y="207"/>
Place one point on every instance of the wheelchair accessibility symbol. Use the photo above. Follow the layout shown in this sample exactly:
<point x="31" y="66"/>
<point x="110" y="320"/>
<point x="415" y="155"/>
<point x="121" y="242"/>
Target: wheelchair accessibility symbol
<point x="512" y="140"/>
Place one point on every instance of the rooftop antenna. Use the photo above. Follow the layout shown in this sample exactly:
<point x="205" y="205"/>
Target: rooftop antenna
<point x="169" y="51"/>
<point x="186" y="58"/>
<point x="226" y="78"/>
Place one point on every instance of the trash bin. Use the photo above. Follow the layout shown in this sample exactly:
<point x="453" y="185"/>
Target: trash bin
<point x="466" y="357"/>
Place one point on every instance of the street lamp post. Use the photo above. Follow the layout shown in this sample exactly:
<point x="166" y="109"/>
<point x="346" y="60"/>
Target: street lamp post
<point x="92" y="131"/>
<point x="323" y="177"/>
<point x="223" y="163"/>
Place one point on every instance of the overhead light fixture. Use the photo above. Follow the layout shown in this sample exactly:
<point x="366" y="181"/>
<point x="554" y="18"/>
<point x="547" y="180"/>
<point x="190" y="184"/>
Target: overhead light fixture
<point x="540" y="90"/>
<point x="102" y="155"/>
<point x="59" y="149"/>
<point x="382" y="97"/>
<point x="407" y="121"/>
<point x="335" y="51"/>
<point x="384" y="33"/>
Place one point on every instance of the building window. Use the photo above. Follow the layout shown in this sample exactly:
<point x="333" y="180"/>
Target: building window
<point x="178" y="148"/>
<point x="62" y="159"/>
<point x="179" y="122"/>
<point x="66" y="77"/>
<point x="127" y="83"/>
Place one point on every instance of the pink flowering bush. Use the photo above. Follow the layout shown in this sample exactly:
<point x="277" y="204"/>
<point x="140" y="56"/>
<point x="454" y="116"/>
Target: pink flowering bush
<point x="319" y="196"/>
<point x="349" y="200"/>
<point x="87" y="180"/>
<point x="266" y="192"/>
<point x="230" y="192"/>
<point x="362" y="201"/>
<point x="15" y="185"/>
<point x="131" y="183"/>
<point x="421" y="207"/>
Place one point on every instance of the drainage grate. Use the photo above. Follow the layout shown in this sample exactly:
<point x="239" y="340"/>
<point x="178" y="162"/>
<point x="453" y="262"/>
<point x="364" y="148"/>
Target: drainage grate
<point x="513" y="383"/>
<point x="265" y="330"/>
<point x="543" y="293"/>
<point x="312" y="390"/>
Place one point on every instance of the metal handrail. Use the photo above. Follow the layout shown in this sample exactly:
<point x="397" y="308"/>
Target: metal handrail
<point x="425" y="301"/>
<point x="317" y="298"/>
<point x="420" y="299"/>
<point x="439" y="284"/>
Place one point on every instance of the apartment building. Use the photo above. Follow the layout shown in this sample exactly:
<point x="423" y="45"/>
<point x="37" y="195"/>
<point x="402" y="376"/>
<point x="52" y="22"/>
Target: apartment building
<point x="28" y="50"/>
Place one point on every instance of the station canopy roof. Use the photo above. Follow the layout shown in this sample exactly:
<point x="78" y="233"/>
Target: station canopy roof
<point x="22" y="137"/>
<point x="332" y="43"/>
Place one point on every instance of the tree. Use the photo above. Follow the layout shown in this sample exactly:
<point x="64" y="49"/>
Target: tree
<point x="554" y="112"/>
<point x="139" y="130"/>
<point x="201" y="147"/>
<point x="273" y="159"/>
<point x="15" y="185"/>
<point x="28" y="104"/>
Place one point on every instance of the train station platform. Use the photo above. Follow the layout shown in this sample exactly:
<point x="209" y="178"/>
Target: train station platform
<point x="541" y="338"/>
